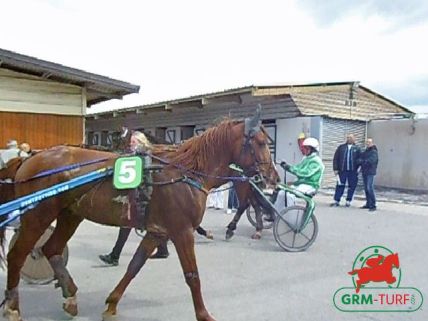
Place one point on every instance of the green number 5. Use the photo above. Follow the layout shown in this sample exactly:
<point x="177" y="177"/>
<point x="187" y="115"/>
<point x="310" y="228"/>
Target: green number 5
<point x="128" y="172"/>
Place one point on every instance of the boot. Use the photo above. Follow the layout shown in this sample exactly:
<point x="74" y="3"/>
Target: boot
<point x="109" y="259"/>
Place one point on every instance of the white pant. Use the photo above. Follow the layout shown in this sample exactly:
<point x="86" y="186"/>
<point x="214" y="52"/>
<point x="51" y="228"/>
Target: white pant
<point x="291" y="198"/>
<point x="218" y="199"/>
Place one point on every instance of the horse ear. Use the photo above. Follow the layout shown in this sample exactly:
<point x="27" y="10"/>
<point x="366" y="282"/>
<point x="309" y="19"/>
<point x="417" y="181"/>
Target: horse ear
<point x="125" y="131"/>
<point x="252" y="125"/>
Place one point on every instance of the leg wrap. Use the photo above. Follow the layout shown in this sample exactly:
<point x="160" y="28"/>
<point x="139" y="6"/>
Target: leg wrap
<point x="11" y="294"/>
<point x="190" y="276"/>
<point x="11" y="302"/>
<point x="61" y="274"/>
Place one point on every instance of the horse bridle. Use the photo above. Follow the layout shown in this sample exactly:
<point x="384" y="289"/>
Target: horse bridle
<point x="254" y="169"/>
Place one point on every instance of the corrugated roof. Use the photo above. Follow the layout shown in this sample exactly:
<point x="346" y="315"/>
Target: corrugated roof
<point x="258" y="90"/>
<point x="99" y="88"/>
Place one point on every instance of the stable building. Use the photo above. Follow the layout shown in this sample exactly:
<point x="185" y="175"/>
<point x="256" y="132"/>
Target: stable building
<point x="326" y="111"/>
<point x="44" y="103"/>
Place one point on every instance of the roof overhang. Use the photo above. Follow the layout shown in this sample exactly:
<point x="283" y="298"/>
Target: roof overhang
<point x="98" y="88"/>
<point x="235" y="96"/>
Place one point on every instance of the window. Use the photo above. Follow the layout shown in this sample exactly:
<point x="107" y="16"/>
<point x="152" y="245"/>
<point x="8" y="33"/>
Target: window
<point x="109" y="141"/>
<point x="96" y="139"/>
<point x="170" y="136"/>
<point x="199" y="131"/>
<point x="187" y="132"/>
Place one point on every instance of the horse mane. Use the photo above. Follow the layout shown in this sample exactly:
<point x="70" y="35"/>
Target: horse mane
<point x="195" y="152"/>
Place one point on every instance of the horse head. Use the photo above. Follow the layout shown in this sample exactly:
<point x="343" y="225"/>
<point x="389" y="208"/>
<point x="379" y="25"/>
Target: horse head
<point x="121" y="139"/>
<point x="394" y="260"/>
<point x="254" y="155"/>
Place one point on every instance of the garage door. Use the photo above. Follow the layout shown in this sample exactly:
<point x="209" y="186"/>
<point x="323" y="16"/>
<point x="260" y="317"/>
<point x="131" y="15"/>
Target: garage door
<point x="334" y="132"/>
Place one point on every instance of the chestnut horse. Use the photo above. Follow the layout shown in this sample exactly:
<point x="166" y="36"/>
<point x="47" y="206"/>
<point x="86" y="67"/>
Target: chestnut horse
<point x="175" y="210"/>
<point x="7" y="175"/>
<point x="244" y="191"/>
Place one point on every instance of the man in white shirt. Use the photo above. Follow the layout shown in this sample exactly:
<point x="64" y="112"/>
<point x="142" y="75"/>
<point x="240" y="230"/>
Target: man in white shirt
<point x="12" y="151"/>
<point x="345" y="167"/>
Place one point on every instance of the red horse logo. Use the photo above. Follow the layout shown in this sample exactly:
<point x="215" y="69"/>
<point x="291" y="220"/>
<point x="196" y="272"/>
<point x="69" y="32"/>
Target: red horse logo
<point x="379" y="269"/>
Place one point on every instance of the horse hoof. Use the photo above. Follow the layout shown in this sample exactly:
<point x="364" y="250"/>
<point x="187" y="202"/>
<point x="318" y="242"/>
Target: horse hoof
<point x="12" y="315"/>
<point x="109" y="316"/>
<point x="229" y="234"/>
<point x="210" y="235"/>
<point x="70" y="306"/>
<point x="257" y="236"/>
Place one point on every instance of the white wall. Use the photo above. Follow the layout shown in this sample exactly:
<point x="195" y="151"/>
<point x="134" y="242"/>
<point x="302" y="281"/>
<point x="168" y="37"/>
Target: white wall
<point x="287" y="133"/>
<point x="403" y="152"/>
<point x="25" y="93"/>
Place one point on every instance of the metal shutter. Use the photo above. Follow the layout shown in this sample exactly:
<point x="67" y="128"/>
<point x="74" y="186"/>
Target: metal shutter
<point x="271" y="131"/>
<point x="334" y="132"/>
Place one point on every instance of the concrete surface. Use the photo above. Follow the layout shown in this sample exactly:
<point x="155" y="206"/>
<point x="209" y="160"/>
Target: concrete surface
<point x="244" y="279"/>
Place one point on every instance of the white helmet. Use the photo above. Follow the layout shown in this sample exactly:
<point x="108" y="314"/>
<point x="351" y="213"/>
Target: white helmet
<point x="313" y="142"/>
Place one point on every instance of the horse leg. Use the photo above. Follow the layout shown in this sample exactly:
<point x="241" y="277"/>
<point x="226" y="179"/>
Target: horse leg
<point x="208" y="234"/>
<point x="146" y="247"/>
<point x="67" y="224"/>
<point x="359" y="284"/>
<point x="29" y="234"/>
<point x="259" y="222"/>
<point x="185" y="246"/>
<point x="231" y="227"/>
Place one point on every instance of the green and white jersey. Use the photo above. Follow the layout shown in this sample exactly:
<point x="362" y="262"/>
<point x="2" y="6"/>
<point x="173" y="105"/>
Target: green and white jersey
<point x="309" y="171"/>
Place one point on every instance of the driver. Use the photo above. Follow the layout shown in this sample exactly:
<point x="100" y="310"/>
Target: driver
<point x="309" y="174"/>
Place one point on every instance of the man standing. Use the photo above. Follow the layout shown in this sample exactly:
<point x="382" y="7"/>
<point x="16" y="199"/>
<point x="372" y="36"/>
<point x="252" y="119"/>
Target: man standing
<point x="345" y="165"/>
<point x="12" y="151"/>
<point x="369" y="160"/>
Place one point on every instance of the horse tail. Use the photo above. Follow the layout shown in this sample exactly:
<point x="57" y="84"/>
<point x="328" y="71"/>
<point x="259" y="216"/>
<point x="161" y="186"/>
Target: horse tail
<point x="353" y="272"/>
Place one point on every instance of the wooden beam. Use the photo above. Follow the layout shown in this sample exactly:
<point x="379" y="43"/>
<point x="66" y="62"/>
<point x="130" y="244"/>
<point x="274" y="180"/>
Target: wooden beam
<point x="186" y="103"/>
<point x="195" y="103"/>
<point x="234" y="98"/>
<point x="46" y="75"/>
<point x="273" y="91"/>
<point x="104" y="94"/>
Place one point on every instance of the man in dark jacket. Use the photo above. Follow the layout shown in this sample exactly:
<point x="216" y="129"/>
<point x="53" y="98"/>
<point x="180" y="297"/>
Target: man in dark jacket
<point x="345" y="165"/>
<point x="369" y="160"/>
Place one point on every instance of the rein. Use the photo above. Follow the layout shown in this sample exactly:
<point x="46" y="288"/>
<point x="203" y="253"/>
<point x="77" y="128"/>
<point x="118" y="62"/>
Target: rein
<point x="56" y="171"/>
<point x="202" y="174"/>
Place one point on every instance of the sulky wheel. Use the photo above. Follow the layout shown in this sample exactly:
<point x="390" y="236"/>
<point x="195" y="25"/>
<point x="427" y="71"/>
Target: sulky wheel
<point x="251" y="215"/>
<point x="286" y="229"/>
<point x="36" y="269"/>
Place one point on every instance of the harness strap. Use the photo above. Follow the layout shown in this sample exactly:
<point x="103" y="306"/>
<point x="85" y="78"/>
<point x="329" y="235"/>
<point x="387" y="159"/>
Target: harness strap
<point x="20" y="205"/>
<point x="64" y="168"/>
<point x="196" y="184"/>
